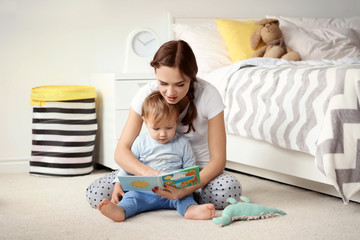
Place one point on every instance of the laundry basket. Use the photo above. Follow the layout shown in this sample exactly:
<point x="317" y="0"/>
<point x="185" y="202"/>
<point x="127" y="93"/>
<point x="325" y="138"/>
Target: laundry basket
<point x="64" y="128"/>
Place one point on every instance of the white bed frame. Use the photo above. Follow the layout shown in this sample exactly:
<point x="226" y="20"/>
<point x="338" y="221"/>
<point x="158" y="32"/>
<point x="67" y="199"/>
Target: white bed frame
<point x="262" y="159"/>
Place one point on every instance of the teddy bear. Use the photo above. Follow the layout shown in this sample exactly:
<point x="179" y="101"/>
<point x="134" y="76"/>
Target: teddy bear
<point x="275" y="47"/>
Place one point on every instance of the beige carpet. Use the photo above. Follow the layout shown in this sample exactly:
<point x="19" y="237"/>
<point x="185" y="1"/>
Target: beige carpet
<point x="33" y="207"/>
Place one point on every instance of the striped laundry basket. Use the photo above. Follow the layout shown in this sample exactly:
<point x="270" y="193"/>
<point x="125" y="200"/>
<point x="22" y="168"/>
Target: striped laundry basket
<point x="64" y="128"/>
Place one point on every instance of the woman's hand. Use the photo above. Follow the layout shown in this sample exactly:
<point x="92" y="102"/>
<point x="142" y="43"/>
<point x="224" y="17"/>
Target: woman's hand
<point x="117" y="192"/>
<point x="171" y="192"/>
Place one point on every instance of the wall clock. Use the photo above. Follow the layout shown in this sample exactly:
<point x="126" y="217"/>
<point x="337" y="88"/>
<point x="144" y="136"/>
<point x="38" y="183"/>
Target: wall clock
<point x="141" y="46"/>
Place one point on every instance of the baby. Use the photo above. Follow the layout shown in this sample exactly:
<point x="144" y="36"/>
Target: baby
<point x="165" y="151"/>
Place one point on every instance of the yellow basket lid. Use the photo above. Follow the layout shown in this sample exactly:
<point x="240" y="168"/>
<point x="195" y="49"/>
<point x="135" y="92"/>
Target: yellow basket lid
<point x="41" y="95"/>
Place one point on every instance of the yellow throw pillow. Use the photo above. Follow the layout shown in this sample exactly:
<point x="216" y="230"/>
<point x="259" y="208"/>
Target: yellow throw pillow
<point x="236" y="35"/>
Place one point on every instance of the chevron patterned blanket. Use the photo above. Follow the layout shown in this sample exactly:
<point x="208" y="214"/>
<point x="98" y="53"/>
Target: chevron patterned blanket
<point x="309" y="106"/>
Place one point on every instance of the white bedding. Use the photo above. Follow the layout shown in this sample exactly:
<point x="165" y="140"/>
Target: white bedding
<point x="308" y="106"/>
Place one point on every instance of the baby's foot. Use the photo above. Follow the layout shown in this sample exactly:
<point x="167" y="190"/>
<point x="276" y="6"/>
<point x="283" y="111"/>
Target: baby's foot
<point x="111" y="210"/>
<point x="200" y="212"/>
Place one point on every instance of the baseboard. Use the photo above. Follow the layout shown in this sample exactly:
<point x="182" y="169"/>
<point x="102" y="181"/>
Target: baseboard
<point x="14" y="165"/>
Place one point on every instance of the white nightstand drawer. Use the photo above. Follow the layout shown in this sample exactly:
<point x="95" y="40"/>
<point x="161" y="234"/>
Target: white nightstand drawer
<point x="125" y="91"/>
<point x="115" y="93"/>
<point x="120" y="121"/>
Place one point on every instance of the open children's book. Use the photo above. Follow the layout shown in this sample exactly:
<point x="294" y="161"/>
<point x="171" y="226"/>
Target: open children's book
<point x="179" y="179"/>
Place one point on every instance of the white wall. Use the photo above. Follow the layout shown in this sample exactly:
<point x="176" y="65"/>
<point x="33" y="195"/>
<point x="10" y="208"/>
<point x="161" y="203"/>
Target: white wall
<point x="52" y="42"/>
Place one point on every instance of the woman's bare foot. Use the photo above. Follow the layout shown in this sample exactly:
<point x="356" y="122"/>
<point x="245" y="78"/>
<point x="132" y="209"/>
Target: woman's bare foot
<point x="111" y="210"/>
<point x="200" y="212"/>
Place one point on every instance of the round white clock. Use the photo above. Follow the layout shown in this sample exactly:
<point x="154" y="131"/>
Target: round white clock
<point x="141" y="46"/>
<point x="145" y="43"/>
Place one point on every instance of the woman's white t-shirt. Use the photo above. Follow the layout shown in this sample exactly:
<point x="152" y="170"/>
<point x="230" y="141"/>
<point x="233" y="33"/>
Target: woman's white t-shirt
<point x="208" y="104"/>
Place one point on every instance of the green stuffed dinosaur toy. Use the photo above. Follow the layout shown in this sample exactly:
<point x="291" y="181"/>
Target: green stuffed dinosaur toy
<point x="245" y="210"/>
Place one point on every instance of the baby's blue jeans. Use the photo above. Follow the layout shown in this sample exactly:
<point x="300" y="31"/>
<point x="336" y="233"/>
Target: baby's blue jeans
<point x="134" y="202"/>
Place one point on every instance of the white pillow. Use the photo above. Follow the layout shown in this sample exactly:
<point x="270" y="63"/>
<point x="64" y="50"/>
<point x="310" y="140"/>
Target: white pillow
<point x="208" y="45"/>
<point x="352" y="23"/>
<point x="322" y="38"/>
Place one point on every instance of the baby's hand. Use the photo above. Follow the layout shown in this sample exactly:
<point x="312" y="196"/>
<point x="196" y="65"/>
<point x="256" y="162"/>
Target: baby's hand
<point x="117" y="192"/>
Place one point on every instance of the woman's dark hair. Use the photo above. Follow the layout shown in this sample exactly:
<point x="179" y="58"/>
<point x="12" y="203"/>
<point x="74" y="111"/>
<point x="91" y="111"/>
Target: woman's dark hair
<point x="178" y="54"/>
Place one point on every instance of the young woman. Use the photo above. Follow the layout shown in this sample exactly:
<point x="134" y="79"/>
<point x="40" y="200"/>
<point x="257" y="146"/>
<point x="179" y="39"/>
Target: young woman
<point x="201" y="121"/>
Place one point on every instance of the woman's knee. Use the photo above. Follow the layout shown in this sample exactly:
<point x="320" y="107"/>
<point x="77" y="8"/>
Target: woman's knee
<point x="221" y="188"/>
<point x="229" y="184"/>
<point x="100" y="189"/>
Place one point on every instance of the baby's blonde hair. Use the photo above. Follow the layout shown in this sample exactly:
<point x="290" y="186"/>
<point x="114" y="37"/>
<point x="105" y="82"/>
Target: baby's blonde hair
<point x="155" y="107"/>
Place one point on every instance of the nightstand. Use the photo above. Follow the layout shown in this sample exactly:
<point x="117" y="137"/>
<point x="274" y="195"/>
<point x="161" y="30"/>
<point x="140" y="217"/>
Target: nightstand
<point x="114" y="95"/>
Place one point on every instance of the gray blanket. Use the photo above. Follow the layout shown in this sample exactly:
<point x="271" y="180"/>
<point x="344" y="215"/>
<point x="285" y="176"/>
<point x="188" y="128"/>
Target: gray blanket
<point x="311" y="107"/>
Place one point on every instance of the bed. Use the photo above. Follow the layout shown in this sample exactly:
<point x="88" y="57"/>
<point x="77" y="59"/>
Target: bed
<point x="293" y="122"/>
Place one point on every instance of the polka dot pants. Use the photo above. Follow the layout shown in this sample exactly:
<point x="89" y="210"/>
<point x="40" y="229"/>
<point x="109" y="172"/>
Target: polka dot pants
<point x="100" y="189"/>
<point x="216" y="192"/>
